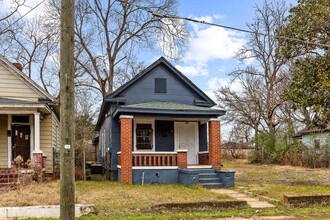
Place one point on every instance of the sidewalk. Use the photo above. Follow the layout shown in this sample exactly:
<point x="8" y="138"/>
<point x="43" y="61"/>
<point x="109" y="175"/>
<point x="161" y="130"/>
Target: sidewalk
<point x="52" y="211"/>
<point x="254" y="203"/>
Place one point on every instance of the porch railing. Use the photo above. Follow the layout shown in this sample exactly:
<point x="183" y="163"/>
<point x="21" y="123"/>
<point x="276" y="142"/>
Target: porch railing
<point x="155" y="159"/>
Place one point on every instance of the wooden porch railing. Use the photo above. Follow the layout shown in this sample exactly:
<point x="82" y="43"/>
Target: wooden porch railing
<point x="155" y="159"/>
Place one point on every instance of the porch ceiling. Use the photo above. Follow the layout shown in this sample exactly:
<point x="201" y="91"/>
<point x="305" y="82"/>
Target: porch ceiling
<point x="169" y="109"/>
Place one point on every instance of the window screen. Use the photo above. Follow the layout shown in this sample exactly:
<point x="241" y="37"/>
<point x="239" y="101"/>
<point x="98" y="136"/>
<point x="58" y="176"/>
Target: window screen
<point x="160" y="85"/>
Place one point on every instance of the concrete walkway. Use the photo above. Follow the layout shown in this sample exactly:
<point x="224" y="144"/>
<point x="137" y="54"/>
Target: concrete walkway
<point x="254" y="203"/>
<point x="52" y="211"/>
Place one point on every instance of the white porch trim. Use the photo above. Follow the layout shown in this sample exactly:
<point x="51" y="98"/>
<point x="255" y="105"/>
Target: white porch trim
<point x="144" y="121"/>
<point x="153" y="152"/>
<point x="125" y="116"/>
<point x="155" y="167"/>
<point x="37" y="133"/>
<point x="203" y="152"/>
<point x="9" y="140"/>
<point x="199" y="166"/>
<point x="31" y="122"/>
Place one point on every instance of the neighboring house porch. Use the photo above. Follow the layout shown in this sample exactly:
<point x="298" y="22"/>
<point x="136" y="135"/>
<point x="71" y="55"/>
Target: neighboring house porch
<point x="29" y="124"/>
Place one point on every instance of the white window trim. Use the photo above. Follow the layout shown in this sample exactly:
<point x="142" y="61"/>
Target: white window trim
<point x="144" y="121"/>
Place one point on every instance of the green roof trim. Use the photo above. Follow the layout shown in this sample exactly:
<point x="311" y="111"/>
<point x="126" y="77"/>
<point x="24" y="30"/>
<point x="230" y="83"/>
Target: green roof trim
<point x="170" y="106"/>
<point x="169" y="109"/>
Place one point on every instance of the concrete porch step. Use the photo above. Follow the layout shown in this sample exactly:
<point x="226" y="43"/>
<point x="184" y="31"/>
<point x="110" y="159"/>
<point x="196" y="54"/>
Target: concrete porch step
<point x="208" y="175"/>
<point x="202" y="171"/>
<point x="212" y="185"/>
<point x="209" y="180"/>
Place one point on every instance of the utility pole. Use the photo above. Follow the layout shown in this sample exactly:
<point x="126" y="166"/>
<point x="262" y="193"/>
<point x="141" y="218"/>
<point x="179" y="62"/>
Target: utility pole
<point x="67" y="197"/>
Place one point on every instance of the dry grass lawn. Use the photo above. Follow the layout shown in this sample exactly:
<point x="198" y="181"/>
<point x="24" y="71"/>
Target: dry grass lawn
<point x="108" y="197"/>
<point x="275" y="181"/>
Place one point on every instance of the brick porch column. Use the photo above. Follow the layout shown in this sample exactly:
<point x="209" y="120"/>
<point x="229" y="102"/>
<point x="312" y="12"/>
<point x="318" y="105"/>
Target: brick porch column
<point x="214" y="143"/>
<point x="37" y="157"/>
<point x="126" y="132"/>
<point x="182" y="158"/>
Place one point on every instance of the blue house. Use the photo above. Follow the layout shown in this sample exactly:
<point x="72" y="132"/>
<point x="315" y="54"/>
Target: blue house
<point x="161" y="128"/>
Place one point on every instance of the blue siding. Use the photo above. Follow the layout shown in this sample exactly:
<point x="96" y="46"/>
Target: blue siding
<point x="144" y="89"/>
<point x="115" y="142"/>
<point x="188" y="177"/>
<point x="202" y="137"/>
<point x="169" y="176"/>
<point x="164" y="135"/>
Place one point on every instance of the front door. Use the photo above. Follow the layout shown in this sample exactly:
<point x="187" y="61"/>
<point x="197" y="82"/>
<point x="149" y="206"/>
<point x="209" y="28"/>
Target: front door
<point x="186" y="137"/>
<point x="21" y="141"/>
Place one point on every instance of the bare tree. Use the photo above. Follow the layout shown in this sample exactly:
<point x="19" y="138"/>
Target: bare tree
<point x="266" y="73"/>
<point x="7" y="18"/>
<point x="108" y="32"/>
<point x="35" y="46"/>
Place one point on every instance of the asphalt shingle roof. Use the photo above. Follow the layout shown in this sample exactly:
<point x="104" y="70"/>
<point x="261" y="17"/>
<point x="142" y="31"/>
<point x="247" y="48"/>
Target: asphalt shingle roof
<point x="7" y="101"/>
<point x="170" y="106"/>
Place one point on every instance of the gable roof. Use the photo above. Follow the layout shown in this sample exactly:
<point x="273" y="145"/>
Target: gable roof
<point x="25" y="79"/>
<point x="312" y="130"/>
<point x="208" y="101"/>
<point x="113" y="97"/>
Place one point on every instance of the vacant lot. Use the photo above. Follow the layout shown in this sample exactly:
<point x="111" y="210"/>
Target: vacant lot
<point x="274" y="181"/>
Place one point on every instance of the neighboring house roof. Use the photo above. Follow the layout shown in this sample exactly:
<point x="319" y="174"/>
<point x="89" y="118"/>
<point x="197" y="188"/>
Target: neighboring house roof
<point x="202" y="101"/>
<point x="16" y="103"/>
<point x="235" y="145"/>
<point x="312" y="130"/>
<point x="7" y="101"/>
<point x="25" y="79"/>
<point x="168" y="108"/>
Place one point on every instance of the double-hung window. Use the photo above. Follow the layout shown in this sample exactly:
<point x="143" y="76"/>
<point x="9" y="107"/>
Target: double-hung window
<point x="144" y="139"/>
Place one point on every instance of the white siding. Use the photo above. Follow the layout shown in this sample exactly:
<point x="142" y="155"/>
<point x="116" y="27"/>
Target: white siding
<point x="3" y="142"/>
<point x="12" y="87"/>
<point x="46" y="143"/>
<point x="324" y="137"/>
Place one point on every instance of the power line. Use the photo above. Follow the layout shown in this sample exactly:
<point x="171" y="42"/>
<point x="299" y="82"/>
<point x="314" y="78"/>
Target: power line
<point x="160" y="15"/>
<point x="4" y="30"/>
<point x="157" y="14"/>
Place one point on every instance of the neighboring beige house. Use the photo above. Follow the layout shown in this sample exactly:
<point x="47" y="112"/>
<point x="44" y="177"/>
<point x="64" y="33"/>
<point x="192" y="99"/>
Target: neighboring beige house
<point x="29" y="118"/>
<point x="315" y="137"/>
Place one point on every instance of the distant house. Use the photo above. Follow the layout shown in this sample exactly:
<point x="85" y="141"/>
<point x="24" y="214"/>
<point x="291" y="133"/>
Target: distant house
<point x="29" y="119"/>
<point x="237" y="150"/>
<point x="314" y="137"/>
<point x="160" y="128"/>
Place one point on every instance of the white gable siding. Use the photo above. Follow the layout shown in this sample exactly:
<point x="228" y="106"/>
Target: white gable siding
<point x="12" y="87"/>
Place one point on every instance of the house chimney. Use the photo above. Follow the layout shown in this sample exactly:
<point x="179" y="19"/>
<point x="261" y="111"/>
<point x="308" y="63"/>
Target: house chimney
<point x="18" y="66"/>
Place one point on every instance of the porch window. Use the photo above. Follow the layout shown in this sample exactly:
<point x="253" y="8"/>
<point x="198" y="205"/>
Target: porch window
<point x="144" y="136"/>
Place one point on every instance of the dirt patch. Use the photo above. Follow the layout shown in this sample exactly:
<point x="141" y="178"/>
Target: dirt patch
<point x="198" y="206"/>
